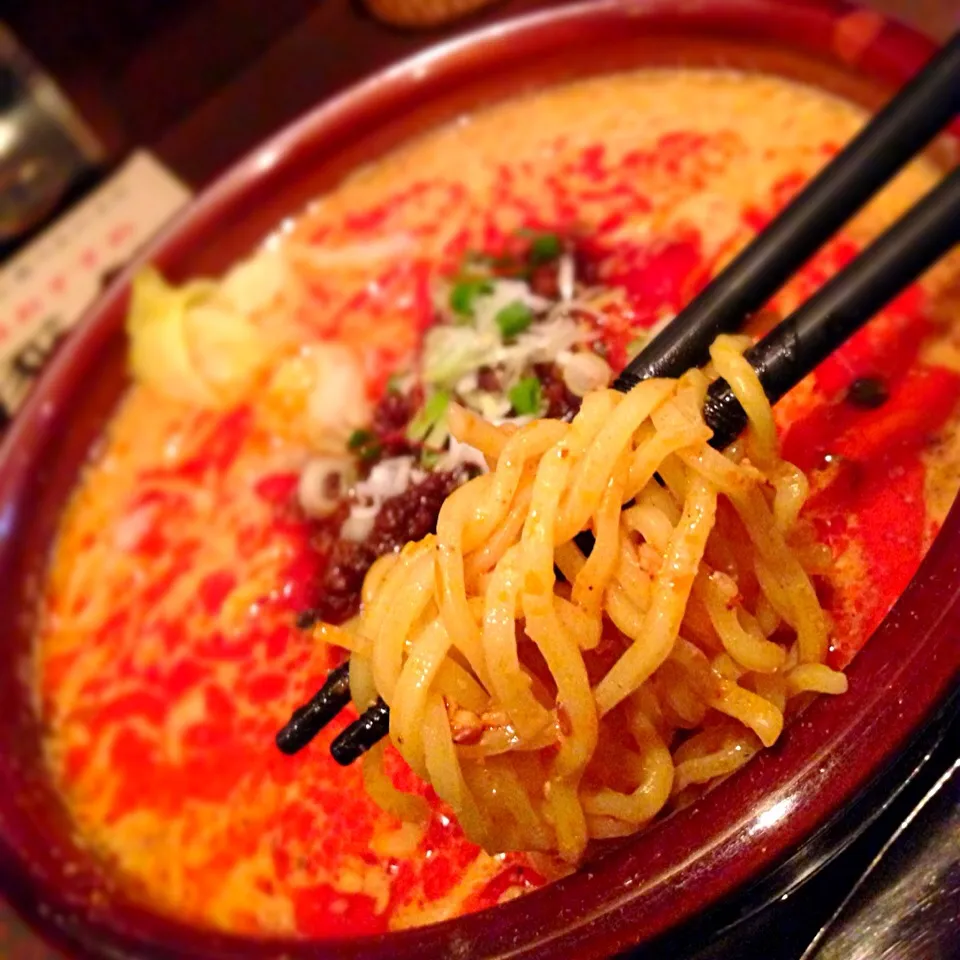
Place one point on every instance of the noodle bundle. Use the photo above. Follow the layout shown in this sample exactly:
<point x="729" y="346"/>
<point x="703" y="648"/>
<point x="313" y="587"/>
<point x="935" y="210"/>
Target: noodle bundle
<point x="552" y="696"/>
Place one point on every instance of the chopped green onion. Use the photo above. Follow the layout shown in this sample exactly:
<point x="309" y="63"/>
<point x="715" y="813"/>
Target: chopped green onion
<point x="525" y="396"/>
<point x="545" y="247"/>
<point x="359" y="439"/>
<point x="369" y="453"/>
<point x="429" y="458"/>
<point x="394" y="382"/>
<point x="464" y="293"/>
<point x="514" y="318"/>
<point x="364" y="444"/>
<point x="429" y="415"/>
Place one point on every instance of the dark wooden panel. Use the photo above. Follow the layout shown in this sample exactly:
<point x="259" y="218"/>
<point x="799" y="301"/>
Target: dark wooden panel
<point x="135" y="68"/>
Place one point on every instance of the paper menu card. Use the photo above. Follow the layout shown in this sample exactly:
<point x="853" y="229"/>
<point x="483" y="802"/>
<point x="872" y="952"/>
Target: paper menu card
<point x="46" y="287"/>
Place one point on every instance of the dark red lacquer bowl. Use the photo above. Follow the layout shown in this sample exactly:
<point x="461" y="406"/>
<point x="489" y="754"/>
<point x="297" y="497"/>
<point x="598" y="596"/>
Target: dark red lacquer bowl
<point x="685" y="865"/>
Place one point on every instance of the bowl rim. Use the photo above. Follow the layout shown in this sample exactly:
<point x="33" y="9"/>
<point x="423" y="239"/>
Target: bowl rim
<point x="750" y="821"/>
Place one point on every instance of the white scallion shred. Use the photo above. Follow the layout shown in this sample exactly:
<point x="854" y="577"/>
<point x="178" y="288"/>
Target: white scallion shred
<point x="566" y="277"/>
<point x="543" y="342"/>
<point x="583" y="371"/>
<point x="491" y="406"/>
<point x="323" y="481"/>
<point x="503" y="293"/>
<point x="461" y="455"/>
<point x="467" y="384"/>
<point x="454" y="352"/>
<point x="359" y="523"/>
<point x="387" y="479"/>
<point x="450" y="353"/>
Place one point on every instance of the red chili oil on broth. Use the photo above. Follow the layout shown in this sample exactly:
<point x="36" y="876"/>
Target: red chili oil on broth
<point x="169" y="654"/>
<point x="171" y="701"/>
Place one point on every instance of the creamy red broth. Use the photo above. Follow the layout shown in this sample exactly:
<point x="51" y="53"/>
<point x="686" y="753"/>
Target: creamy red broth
<point x="169" y="655"/>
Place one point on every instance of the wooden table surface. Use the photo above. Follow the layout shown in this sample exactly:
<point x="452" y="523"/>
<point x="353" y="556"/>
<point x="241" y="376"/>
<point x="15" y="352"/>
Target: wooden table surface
<point x="203" y="81"/>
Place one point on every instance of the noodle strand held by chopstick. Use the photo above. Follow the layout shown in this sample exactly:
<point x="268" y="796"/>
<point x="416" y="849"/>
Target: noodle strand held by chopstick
<point x="548" y="709"/>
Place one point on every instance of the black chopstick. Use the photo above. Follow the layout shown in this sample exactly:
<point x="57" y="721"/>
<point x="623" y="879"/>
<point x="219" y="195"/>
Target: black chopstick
<point x="307" y="721"/>
<point x="370" y="727"/>
<point x="842" y="305"/>
<point x="896" y="134"/>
